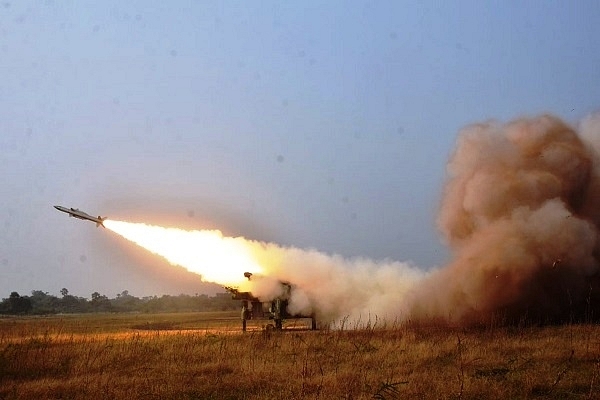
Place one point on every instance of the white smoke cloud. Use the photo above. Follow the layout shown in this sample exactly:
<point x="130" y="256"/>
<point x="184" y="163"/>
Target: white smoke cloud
<point x="333" y="287"/>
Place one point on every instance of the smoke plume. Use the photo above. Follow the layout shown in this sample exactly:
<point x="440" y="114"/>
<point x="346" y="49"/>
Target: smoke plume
<point x="519" y="211"/>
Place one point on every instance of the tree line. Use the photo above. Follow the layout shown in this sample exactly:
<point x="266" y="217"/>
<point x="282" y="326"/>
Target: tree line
<point x="41" y="303"/>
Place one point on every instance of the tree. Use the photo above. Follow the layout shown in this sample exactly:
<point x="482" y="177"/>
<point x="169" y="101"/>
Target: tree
<point x="100" y="302"/>
<point x="42" y="302"/>
<point x="126" y="302"/>
<point x="64" y="292"/>
<point x="18" y="304"/>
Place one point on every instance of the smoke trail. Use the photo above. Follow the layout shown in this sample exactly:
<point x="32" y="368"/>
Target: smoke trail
<point x="329" y="286"/>
<point x="520" y="212"/>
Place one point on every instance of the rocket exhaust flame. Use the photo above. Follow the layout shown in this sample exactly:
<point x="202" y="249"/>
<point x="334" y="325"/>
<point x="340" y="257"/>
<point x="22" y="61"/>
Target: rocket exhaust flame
<point x="520" y="212"/>
<point x="207" y="253"/>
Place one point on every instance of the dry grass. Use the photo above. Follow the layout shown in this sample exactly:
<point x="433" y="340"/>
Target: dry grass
<point x="204" y="356"/>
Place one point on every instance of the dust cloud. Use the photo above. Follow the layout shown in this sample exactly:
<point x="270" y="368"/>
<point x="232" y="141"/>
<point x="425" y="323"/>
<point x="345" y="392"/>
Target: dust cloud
<point x="520" y="213"/>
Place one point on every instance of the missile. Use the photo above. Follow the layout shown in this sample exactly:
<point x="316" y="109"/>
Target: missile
<point x="73" y="212"/>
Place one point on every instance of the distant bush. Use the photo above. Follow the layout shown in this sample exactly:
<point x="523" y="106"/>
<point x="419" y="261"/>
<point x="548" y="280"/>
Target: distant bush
<point x="42" y="303"/>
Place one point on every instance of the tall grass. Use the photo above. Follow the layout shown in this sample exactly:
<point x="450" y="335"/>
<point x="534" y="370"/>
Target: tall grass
<point x="196" y="356"/>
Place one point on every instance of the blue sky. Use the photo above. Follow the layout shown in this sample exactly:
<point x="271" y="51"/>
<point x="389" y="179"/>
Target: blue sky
<point x="321" y="125"/>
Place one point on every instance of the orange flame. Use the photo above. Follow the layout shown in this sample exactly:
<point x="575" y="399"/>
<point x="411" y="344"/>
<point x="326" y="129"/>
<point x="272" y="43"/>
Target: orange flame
<point x="208" y="253"/>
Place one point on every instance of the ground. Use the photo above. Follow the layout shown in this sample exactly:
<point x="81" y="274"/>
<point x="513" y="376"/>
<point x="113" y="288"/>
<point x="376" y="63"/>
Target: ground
<point x="206" y="356"/>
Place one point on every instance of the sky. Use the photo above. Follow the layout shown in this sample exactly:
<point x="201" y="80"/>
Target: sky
<point x="317" y="125"/>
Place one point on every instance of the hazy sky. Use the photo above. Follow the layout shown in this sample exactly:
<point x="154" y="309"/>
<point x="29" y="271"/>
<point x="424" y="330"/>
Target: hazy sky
<point x="313" y="124"/>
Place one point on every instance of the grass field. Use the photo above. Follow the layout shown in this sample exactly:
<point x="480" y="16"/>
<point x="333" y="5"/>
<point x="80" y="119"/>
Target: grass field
<point x="205" y="356"/>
